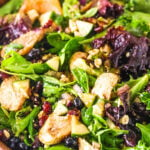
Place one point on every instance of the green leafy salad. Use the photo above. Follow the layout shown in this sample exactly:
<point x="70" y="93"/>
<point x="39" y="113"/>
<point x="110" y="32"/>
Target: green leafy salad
<point x="75" y="75"/>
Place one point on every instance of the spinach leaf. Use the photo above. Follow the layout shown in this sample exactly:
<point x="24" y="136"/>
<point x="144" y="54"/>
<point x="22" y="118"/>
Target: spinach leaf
<point x="59" y="19"/>
<point x="145" y="130"/>
<point x="70" y="47"/>
<point x="21" y="124"/>
<point x="109" y="139"/>
<point x="82" y="78"/>
<point x="16" y="63"/>
<point x="86" y="115"/>
<point x="10" y="7"/>
<point x="145" y="98"/>
<point x="57" y="40"/>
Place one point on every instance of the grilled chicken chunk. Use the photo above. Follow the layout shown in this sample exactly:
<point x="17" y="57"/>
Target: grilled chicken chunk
<point x="55" y="129"/>
<point x="41" y="6"/>
<point x="3" y="146"/>
<point x="13" y="93"/>
<point x="104" y="85"/>
<point x="28" y="40"/>
<point x="84" y="145"/>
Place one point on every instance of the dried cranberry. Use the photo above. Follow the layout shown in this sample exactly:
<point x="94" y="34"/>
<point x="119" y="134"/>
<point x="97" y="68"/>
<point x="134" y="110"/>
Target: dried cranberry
<point x="47" y="108"/>
<point x="42" y="120"/>
<point x="70" y="105"/>
<point x="4" y="75"/>
<point x="75" y="112"/>
<point x="48" y="24"/>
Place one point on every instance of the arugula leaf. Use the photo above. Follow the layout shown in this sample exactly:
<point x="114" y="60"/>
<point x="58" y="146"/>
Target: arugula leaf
<point x="82" y="78"/>
<point x="21" y="124"/>
<point x="4" y="120"/>
<point x="145" y="98"/>
<point x="16" y="63"/>
<point x="70" y="47"/>
<point x="10" y="7"/>
<point x="139" y="86"/>
<point x="145" y="130"/>
<point x="109" y="139"/>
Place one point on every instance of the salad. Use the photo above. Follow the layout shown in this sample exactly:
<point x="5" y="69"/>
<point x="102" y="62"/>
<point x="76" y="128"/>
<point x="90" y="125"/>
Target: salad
<point x="75" y="75"/>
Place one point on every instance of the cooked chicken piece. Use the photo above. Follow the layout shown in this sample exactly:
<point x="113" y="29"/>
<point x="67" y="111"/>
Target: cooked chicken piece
<point x="104" y="85"/>
<point x="55" y="129"/>
<point x="13" y="93"/>
<point x="3" y="146"/>
<point x="28" y="40"/>
<point x="41" y="6"/>
<point x="84" y="145"/>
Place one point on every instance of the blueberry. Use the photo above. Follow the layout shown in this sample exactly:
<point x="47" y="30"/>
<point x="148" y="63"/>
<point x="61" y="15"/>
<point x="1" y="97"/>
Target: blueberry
<point x="15" y="140"/>
<point x="71" y="142"/>
<point x="12" y="145"/>
<point x="34" y="54"/>
<point x="23" y="146"/>
<point x="78" y="103"/>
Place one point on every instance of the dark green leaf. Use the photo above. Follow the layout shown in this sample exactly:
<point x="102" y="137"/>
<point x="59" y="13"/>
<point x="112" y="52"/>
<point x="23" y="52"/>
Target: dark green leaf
<point x="57" y="40"/>
<point x="22" y="124"/>
<point x="59" y="19"/>
<point x="16" y="63"/>
<point x="86" y="115"/>
<point x="70" y="47"/>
